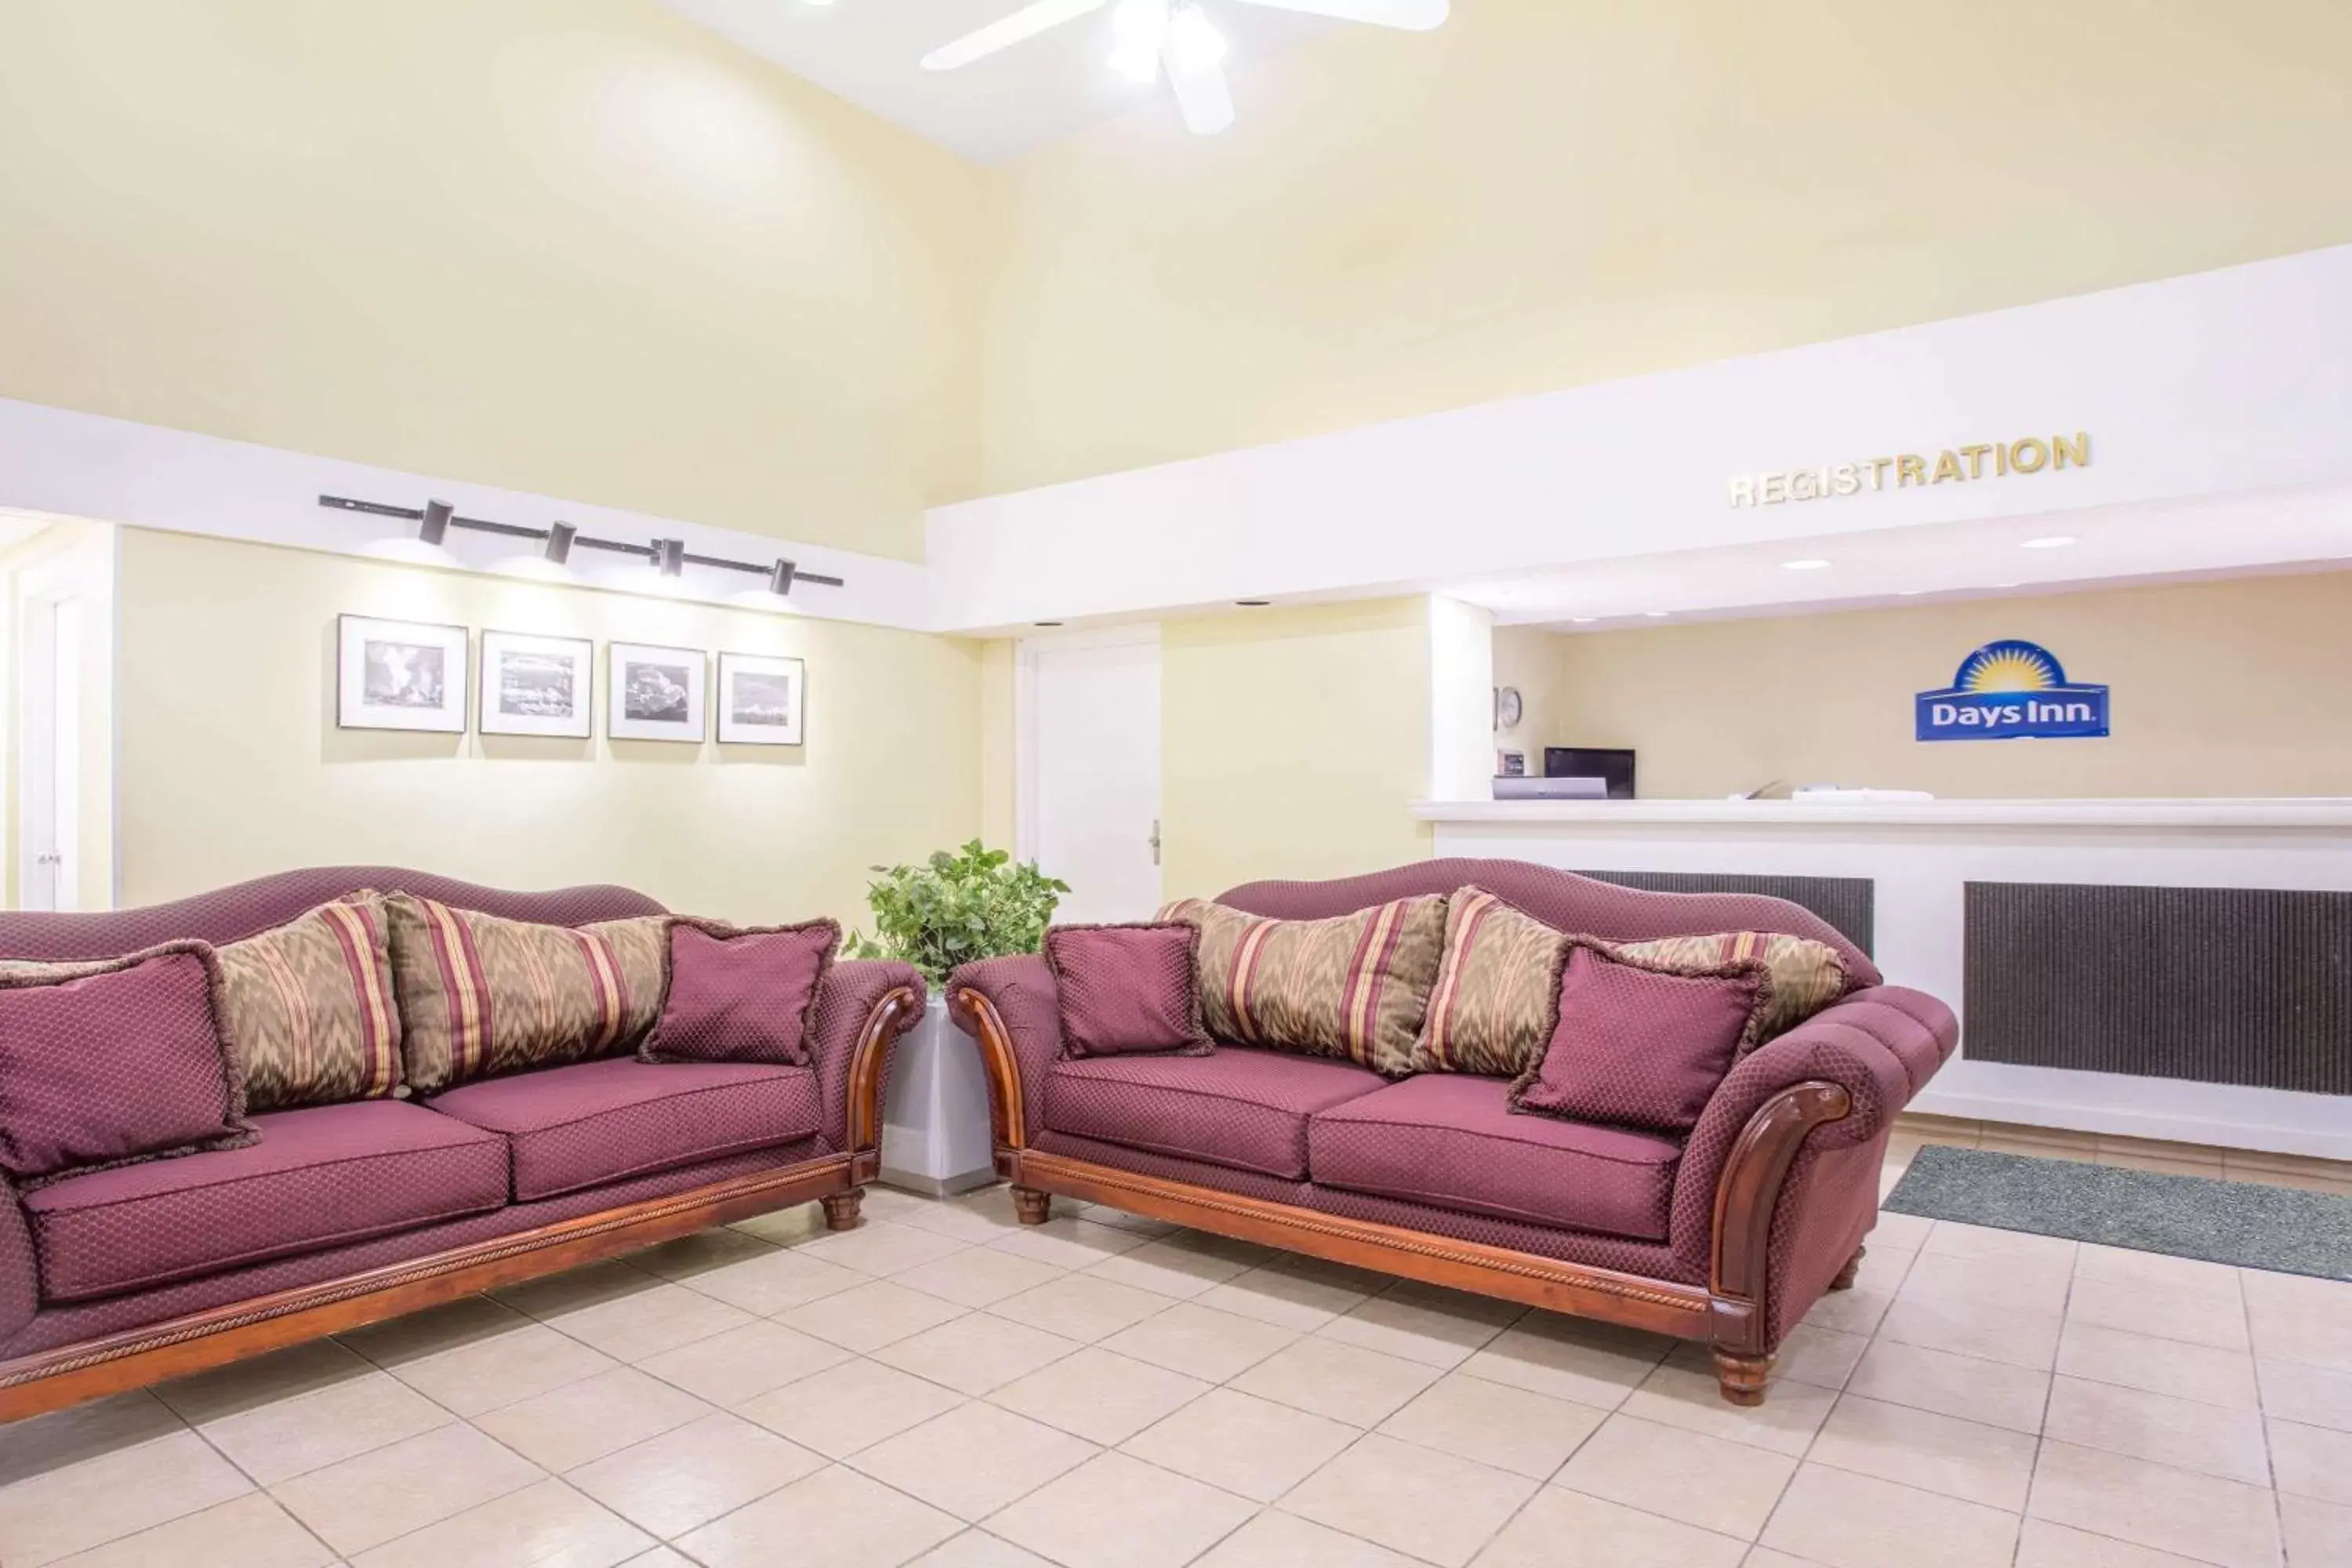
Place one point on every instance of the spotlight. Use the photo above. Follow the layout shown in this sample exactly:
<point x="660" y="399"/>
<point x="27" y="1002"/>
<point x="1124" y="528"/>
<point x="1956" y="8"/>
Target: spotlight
<point x="436" y="521"/>
<point x="669" y="557"/>
<point x="780" y="577"/>
<point x="559" y="541"/>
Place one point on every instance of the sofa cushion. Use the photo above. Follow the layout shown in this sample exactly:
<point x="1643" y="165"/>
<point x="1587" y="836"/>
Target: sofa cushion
<point x="1124" y="989"/>
<point x="578" y="1126"/>
<point x="1497" y="990"/>
<point x="1642" y="1043"/>
<point x="309" y="1009"/>
<point x="318" y="1177"/>
<point x="1246" y="1109"/>
<point x="1450" y="1140"/>
<point x="741" y="995"/>
<point x="1807" y="975"/>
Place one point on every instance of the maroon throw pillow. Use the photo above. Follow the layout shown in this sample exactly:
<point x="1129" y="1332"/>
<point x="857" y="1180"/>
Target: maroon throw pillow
<point x="741" y="995"/>
<point x="107" y="1063"/>
<point x="1642" y="1043"/>
<point x="1128" y="990"/>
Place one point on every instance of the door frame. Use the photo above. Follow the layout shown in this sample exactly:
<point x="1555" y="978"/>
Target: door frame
<point x="1025" y="713"/>
<point x="41" y="591"/>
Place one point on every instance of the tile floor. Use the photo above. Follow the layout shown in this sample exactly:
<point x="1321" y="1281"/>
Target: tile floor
<point x="945" y="1387"/>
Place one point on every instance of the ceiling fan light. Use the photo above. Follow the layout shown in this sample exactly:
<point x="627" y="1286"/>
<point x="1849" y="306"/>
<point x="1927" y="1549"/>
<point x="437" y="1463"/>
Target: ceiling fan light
<point x="1193" y="42"/>
<point x="1140" y="27"/>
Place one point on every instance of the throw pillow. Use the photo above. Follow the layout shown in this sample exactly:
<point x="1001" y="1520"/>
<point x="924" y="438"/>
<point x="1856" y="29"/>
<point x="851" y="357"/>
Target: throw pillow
<point x="1642" y="1042"/>
<point x="1807" y="975"/>
<point x="114" y="1061"/>
<point x="309" y="1007"/>
<point x="1126" y="990"/>
<point x="1354" y="986"/>
<point x="1497" y="991"/>
<point x="741" y="995"/>
<point x="480" y="995"/>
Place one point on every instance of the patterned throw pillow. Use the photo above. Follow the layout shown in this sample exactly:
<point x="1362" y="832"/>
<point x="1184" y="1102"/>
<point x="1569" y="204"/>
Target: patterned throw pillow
<point x="480" y="995"/>
<point x="1807" y="975"/>
<point x="1353" y="986"/>
<point x="1128" y="990"/>
<point x="741" y="994"/>
<point x="1497" y="991"/>
<point x="309" y="1007"/>
<point x="1643" y="1042"/>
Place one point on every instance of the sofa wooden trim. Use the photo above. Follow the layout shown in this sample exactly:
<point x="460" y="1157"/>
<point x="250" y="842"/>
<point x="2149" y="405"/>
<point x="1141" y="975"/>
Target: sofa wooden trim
<point x="1729" y="1312"/>
<point x="69" y="1374"/>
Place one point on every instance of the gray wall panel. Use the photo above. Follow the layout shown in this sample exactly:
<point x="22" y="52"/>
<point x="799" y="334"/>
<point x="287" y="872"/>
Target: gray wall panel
<point x="1846" y="902"/>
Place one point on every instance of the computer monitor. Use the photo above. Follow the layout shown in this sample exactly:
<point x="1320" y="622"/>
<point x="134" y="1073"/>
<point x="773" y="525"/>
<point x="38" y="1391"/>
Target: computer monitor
<point x="1614" y="768"/>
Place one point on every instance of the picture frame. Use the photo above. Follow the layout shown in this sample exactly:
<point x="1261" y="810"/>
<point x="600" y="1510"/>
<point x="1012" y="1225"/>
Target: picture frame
<point x="534" y="685"/>
<point x="655" y="693"/>
<point x="401" y="674"/>
<point x="760" y="698"/>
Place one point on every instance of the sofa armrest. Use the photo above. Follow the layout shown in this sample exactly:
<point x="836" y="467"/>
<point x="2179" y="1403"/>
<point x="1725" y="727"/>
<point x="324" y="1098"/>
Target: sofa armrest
<point x="1010" y="1006"/>
<point x="865" y="1005"/>
<point x="20" y="1282"/>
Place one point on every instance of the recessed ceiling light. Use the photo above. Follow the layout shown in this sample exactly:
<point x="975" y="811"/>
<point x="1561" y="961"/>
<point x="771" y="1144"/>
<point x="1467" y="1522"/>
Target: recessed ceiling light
<point x="2052" y="541"/>
<point x="1656" y="614"/>
<point x="1581" y="620"/>
<point x="1811" y="563"/>
<point x="2009" y="584"/>
<point x="1908" y="592"/>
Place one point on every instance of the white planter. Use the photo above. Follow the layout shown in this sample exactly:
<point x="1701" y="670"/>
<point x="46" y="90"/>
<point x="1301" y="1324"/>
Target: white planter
<point x="935" y="1133"/>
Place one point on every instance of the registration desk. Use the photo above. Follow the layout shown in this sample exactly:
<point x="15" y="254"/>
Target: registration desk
<point x="2169" y="969"/>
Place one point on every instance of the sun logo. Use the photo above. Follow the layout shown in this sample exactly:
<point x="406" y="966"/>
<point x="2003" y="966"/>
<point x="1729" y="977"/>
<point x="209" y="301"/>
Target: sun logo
<point x="2010" y="665"/>
<point x="2011" y="690"/>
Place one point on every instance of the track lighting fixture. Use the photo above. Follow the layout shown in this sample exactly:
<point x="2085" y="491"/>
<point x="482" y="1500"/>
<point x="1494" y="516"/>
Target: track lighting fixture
<point x="436" y="524"/>
<point x="780" y="577"/>
<point x="669" y="557"/>
<point x="559" y="541"/>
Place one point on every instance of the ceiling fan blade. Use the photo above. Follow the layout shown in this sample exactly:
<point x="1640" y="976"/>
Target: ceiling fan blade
<point x="1412" y="15"/>
<point x="1027" y="23"/>
<point x="1202" y="94"/>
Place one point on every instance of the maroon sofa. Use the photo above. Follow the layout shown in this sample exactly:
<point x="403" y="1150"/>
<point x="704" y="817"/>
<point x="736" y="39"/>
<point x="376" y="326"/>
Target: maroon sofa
<point x="1727" y="1236"/>
<point x="343" y="1214"/>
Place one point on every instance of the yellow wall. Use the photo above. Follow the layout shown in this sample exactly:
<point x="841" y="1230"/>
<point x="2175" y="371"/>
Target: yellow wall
<point x="1548" y="193"/>
<point x="1531" y="661"/>
<point x="575" y="247"/>
<point x="1292" y="740"/>
<point x="2239" y="687"/>
<point x="232" y="765"/>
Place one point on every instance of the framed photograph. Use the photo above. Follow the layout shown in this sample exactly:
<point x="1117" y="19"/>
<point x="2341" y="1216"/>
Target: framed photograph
<point x="657" y="693"/>
<point x="537" y="686"/>
<point x="760" y="699"/>
<point x="399" y="675"/>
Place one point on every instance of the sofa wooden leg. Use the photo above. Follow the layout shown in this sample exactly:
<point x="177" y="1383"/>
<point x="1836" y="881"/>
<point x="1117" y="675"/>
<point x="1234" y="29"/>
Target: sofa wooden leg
<point x="841" y="1208"/>
<point x="1031" y="1207"/>
<point x="1844" y="1280"/>
<point x="1742" y="1377"/>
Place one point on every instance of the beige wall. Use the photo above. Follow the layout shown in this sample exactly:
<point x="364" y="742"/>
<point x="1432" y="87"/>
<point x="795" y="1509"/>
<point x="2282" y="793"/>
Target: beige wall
<point x="232" y="765"/>
<point x="574" y="246"/>
<point x="1532" y="660"/>
<point x="1292" y="743"/>
<point x="1548" y="193"/>
<point x="2240" y="688"/>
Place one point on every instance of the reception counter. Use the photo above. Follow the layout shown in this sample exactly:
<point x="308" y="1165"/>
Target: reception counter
<point x="2170" y="969"/>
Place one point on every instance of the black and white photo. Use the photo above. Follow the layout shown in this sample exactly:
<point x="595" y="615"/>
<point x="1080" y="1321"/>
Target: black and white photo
<point x="537" y="686"/>
<point x="399" y="675"/>
<point x="657" y="693"/>
<point x="760" y="699"/>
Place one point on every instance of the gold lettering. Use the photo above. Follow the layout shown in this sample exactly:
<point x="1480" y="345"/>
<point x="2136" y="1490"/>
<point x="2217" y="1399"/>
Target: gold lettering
<point x="1948" y="467"/>
<point x="1976" y="456"/>
<point x="2000" y="460"/>
<point x="1772" y="488"/>
<point x="2077" y="451"/>
<point x="1878" y="467"/>
<point x="1743" y="492"/>
<point x="1800" y="485"/>
<point x="1910" y="469"/>
<point x="1845" y="479"/>
<point x="2029" y="456"/>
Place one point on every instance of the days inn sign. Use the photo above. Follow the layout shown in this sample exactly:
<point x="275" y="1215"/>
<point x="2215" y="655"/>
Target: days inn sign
<point x="1970" y="464"/>
<point x="2011" y="691"/>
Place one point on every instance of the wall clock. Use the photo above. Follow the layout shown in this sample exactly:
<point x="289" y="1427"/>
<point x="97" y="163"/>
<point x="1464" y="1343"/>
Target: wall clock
<point x="1507" y="708"/>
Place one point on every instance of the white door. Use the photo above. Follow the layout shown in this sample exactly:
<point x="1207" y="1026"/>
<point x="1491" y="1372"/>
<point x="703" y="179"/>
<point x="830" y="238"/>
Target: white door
<point x="49" y="797"/>
<point x="1090" y="791"/>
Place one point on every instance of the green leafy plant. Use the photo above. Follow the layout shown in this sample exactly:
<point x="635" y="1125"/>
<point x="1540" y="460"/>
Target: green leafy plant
<point x="975" y="903"/>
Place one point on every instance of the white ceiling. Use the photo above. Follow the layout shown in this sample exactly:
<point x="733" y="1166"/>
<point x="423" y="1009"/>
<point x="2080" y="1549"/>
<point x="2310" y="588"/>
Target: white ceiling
<point x="868" y="51"/>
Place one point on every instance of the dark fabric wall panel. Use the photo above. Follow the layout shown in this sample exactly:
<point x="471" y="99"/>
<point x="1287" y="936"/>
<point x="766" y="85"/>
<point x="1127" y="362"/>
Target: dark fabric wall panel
<point x="2241" y="986"/>
<point x="1846" y="902"/>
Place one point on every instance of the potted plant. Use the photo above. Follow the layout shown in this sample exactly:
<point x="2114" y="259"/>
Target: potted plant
<point x="974" y="903"/>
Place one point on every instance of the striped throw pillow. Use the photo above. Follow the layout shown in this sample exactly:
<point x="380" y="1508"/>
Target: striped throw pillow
<point x="1497" y="991"/>
<point x="1807" y="975"/>
<point x="480" y="995"/>
<point x="308" y="1008"/>
<point x="1353" y="986"/>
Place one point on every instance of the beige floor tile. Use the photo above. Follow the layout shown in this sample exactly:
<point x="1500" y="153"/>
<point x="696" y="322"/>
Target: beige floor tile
<point x="1101" y="1397"/>
<point x="1104" y="1214"/>
<point x="978" y="1276"/>
<point x="880" y="1248"/>
<point x="635" y="1326"/>
<point x="1561" y="1528"/>
<point x="1201" y="1341"/>
<point x="786" y="1228"/>
<point x="2156" y="1270"/>
<point x="1822" y="1357"/>
<point x="546" y="1523"/>
<point x="1895" y="1233"/>
<point x="1067" y="1242"/>
<point x="2216" y="1321"/>
<point x="465" y="1321"/>
<point x="1949" y="1238"/>
<point x="1292" y="1299"/>
<point x="2299" y="1319"/>
<point x="744" y="1363"/>
<point x="2157" y="1427"/>
<point x="2046" y="1545"/>
<point x="685" y="1478"/>
<point x="378" y="1496"/>
<point x="1677" y="1394"/>
<point x="1974" y="1390"/>
<point x="775" y="1283"/>
<point x="975" y="1459"/>
<point x="502" y="1369"/>
<point x="1277" y="1539"/>
<point x="1713" y="1483"/>
<point x="1413" y="1499"/>
<point x="868" y="1317"/>
<point x="2313" y="1395"/>
<point x="1243" y="1444"/>
<point x="1232" y="1249"/>
<point x="1943" y="1454"/>
<point x="576" y="1288"/>
<point x="834" y="1519"/>
<point x="250" y="1384"/>
<point x="2311" y="1461"/>
<point x="1426" y="1323"/>
<point x="1858" y="1310"/>
<point x="1114" y="1511"/>
<point x="974" y="1218"/>
<point x="65" y="1437"/>
<point x="976" y="1352"/>
<point x="2131" y="1499"/>
<point x="682" y="1260"/>
<point x="1841" y="1519"/>
<point x="1361" y="1387"/>
<point x="2318" y="1534"/>
<point x="568" y="1426"/>
<point x="1510" y="1428"/>
<point x="660" y="1557"/>
<point x="1570" y="1358"/>
<point x="250" y="1532"/>
<point x="113" y="1492"/>
<point x="2032" y="1285"/>
<point x="1765" y="1557"/>
<point x="287" y="1438"/>
<point x="2210" y="1376"/>
<point x="850" y="1407"/>
<point x="1082" y="1307"/>
<point x="1168" y="1268"/>
<point x="1982" y="1329"/>
<point x="978" y="1549"/>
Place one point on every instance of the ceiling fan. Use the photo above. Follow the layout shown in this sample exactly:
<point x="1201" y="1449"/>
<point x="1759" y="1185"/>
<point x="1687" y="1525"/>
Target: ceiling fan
<point x="1178" y="36"/>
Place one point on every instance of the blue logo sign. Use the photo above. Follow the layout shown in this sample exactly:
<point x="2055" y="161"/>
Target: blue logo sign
<point x="2008" y="690"/>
